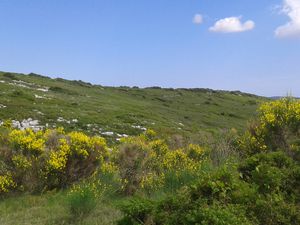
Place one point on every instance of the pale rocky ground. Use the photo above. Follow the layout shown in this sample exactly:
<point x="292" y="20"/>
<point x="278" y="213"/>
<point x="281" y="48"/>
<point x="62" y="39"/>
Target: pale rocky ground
<point x="36" y="126"/>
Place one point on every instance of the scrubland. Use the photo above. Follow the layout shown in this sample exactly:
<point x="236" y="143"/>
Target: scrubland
<point x="54" y="176"/>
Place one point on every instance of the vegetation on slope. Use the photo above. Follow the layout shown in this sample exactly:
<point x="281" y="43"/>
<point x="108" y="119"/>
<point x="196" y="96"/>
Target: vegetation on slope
<point x="263" y="188"/>
<point x="251" y="178"/>
<point x="96" y="109"/>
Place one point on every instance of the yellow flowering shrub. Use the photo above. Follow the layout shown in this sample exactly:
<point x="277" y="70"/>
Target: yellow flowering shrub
<point x="277" y="128"/>
<point x="177" y="169"/>
<point x="159" y="147"/>
<point x="50" y="158"/>
<point x="178" y="160"/>
<point x="76" y="156"/>
<point x="6" y="183"/>
<point x="82" y="198"/>
<point x="152" y="181"/>
<point x="150" y="135"/>
<point x="21" y="162"/>
<point x="109" y="168"/>
<point x="280" y="113"/>
<point x="195" y="152"/>
<point x="144" y="162"/>
<point x="7" y="124"/>
<point x="109" y="177"/>
<point x="98" y="144"/>
<point x="27" y="141"/>
<point x="79" y="144"/>
<point x="253" y="143"/>
<point x="54" y="158"/>
<point x="58" y="159"/>
<point x="96" y="188"/>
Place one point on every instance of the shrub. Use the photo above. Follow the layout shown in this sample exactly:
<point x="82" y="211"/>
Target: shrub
<point x="49" y="159"/>
<point x="6" y="183"/>
<point x="218" y="215"/>
<point x="148" y="164"/>
<point x="77" y="156"/>
<point x="136" y="211"/>
<point x="223" y="147"/>
<point x="131" y="160"/>
<point x="10" y="76"/>
<point x="277" y="128"/>
<point x="222" y="197"/>
<point x="27" y="142"/>
<point x="82" y="200"/>
<point x="195" y="152"/>
<point x="274" y="210"/>
<point x="272" y="172"/>
<point x="184" y="207"/>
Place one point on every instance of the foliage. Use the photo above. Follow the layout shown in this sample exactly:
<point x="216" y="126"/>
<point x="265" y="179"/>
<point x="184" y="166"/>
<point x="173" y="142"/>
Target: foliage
<point x="82" y="199"/>
<point x="223" y="197"/>
<point x="261" y="188"/>
<point x="27" y="142"/>
<point x="270" y="172"/>
<point x="218" y="214"/>
<point x="253" y="179"/>
<point x="277" y="128"/>
<point x="6" y="183"/>
<point x="48" y="159"/>
<point x="148" y="163"/>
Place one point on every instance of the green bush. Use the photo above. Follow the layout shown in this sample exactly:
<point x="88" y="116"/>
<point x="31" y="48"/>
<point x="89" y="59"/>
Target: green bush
<point x="273" y="210"/>
<point x="82" y="200"/>
<point x="218" y="215"/>
<point x="271" y="172"/>
<point x="230" y="195"/>
<point x="136" y="211"/>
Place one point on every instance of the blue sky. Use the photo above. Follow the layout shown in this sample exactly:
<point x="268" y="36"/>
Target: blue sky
<point x="247" y="45"/>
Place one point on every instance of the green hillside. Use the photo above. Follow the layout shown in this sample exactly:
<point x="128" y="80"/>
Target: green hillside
<point x="122" y="110"/>
<point x="67" y="177"/>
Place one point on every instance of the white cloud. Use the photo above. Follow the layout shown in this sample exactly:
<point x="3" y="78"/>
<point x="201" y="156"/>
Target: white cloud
<point x="198" y="19"/>
<point x="291" y="8"/>
<point x="232" y="25"/>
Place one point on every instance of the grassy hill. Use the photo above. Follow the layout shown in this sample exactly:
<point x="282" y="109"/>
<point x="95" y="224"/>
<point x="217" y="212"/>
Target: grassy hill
<point x="122" y="110"/>
<point x="70" y="178"/>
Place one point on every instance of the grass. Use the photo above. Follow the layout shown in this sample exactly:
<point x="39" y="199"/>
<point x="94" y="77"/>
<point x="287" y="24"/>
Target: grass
<point x="51" y="209"/>
<point x="169" y="111"/>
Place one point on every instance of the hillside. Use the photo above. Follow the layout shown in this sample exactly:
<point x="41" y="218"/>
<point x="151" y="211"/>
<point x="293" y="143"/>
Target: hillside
<point x="120" y="111"/>
<point x="58" y="176"/>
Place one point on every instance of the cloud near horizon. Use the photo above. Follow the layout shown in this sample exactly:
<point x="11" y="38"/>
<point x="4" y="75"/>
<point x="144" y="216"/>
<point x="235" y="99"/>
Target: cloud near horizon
<point x="232" y="25"/>
<point x="291" y="8"/>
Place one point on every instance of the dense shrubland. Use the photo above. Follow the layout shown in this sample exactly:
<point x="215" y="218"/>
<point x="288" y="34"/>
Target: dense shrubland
<point x="252" y="178"/>
<point x="258" y="185"/>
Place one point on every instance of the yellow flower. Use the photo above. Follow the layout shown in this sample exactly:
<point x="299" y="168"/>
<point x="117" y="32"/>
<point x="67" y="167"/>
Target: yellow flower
<point x="109" y="168"/>
<point x="195" y="152"/>
<point x="58" y="159"/>
<point x="6" y="183"/>
<point x="21" y="161"/>
<point x="27" y="141"/>
<point x="80" y="144"/>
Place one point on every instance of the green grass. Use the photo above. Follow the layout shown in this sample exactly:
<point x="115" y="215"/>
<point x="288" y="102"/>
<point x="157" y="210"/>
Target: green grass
<point x="170" y="111"/>
<point x="51" y="209"/>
